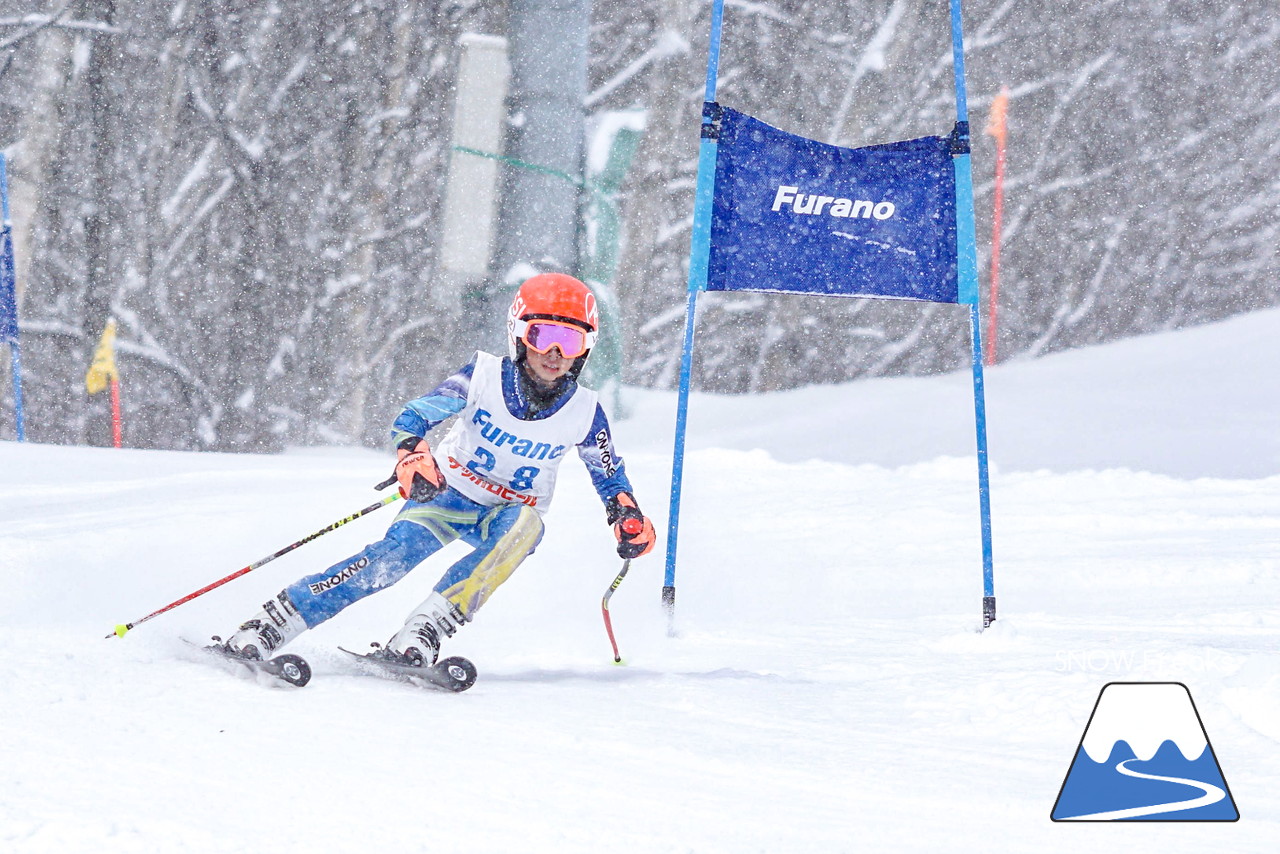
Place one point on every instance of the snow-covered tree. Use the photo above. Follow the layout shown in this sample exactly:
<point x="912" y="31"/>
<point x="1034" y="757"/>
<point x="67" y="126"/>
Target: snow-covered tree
<point x="253" y="190"/>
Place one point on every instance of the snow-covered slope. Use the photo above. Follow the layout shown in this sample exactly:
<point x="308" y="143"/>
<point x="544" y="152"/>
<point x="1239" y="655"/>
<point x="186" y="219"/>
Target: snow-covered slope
<point x="1204" y="402"/>
<point x="828" y="689"/>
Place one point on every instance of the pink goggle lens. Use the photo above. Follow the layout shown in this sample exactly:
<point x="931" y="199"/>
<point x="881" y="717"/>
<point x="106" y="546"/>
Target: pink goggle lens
<point x="542" y="336"/>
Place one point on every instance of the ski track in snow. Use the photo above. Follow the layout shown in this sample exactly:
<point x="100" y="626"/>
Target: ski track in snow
<point x="828" y="689"/>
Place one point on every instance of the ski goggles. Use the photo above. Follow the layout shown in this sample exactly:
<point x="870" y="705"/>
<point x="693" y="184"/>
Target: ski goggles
<point x="542" y="335"/>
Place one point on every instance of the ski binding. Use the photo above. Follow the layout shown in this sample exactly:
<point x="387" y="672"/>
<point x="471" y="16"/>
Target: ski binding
<point x="454" y="674"/>
<point x="286" y="667"/>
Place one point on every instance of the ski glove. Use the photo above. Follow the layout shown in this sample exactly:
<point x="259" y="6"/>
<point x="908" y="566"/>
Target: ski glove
<point x="420" y="479"/>
<point x="632" y="528"/>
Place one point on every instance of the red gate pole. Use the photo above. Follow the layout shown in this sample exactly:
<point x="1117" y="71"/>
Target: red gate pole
<point x="115" y="411"/>
<point x="996" y="127"/>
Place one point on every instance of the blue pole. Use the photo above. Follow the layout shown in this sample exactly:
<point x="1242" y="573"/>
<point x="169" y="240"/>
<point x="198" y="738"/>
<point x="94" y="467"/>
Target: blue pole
<point x="9" y="304"/>
<point x="677" y="461"/>
<point x="957" y="61"/>
<point x="699" y="255"/>
<point x="967" y="274"/>
<point x="15" y="360"/>
<point x="713" y="51"/>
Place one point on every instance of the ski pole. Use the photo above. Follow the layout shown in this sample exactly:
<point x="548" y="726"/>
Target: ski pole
<point x="125" y="627"/>
<point x="604" y="608"/>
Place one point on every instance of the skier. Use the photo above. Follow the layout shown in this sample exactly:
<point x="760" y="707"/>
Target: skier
<point x="488" y="483"/>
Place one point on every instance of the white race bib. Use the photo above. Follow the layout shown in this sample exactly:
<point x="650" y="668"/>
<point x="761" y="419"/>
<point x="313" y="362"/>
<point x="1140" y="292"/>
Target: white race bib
<point x="493" y="458"/>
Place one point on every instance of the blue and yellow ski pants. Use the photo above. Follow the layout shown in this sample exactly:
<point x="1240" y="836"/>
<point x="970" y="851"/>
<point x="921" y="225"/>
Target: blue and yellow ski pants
<point x="503" y="537"/>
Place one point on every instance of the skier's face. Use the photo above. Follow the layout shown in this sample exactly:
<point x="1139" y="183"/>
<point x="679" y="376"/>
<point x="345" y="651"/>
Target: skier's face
<point x="547" y="367"/>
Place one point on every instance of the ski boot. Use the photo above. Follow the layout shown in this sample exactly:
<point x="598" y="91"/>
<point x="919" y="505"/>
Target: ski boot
<point x="418" y="641"/>
<point x="271" y="628"/>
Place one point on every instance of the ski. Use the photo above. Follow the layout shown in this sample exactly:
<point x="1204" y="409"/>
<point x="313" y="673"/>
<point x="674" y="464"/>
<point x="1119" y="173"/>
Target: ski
<point x="454" y="674"/>
<point x="288" y="667"/>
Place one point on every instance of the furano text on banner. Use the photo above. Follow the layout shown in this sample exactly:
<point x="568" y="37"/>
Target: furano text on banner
<point x="799" y="216"/>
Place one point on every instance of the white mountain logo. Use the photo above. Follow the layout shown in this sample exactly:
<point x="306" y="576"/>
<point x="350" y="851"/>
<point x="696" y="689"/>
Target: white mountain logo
<point x="1145" y="756"/>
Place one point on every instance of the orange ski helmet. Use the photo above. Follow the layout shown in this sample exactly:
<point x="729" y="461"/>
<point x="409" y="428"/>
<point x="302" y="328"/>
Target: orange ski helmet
<point x="569" y="310"/>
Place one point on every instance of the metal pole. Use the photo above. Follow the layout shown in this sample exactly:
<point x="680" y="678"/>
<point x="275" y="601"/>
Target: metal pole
<point x="699" y="255"/>
<point x="604" y="606"/>
<point x="122" y="629"/>
<point x="539" y="220"/>
<point x="967" y="274"/>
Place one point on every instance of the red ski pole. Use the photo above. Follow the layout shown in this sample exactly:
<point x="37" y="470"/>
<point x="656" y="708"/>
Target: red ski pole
<point x="604" y="608"/>
<point x="125" y="627"/>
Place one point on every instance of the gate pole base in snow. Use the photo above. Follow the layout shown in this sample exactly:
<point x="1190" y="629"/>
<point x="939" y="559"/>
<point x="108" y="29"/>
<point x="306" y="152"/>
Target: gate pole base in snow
<point x="988" y="611"/>
<point x="669" y="605"/>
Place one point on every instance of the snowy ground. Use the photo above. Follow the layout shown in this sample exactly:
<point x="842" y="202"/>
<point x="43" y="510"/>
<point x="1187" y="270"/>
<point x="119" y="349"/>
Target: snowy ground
<point x="828" y="689"/>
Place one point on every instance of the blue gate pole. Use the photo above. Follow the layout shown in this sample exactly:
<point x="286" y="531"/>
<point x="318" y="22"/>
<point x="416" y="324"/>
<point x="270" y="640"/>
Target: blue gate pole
<point x="967" y="274"/>
<point x="699" y="256"/>
<point x="8" y="272"/>
<point x="15" y="360"/>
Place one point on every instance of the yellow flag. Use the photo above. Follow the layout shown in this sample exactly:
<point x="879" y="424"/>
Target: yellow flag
<point x="103" y="369"/>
